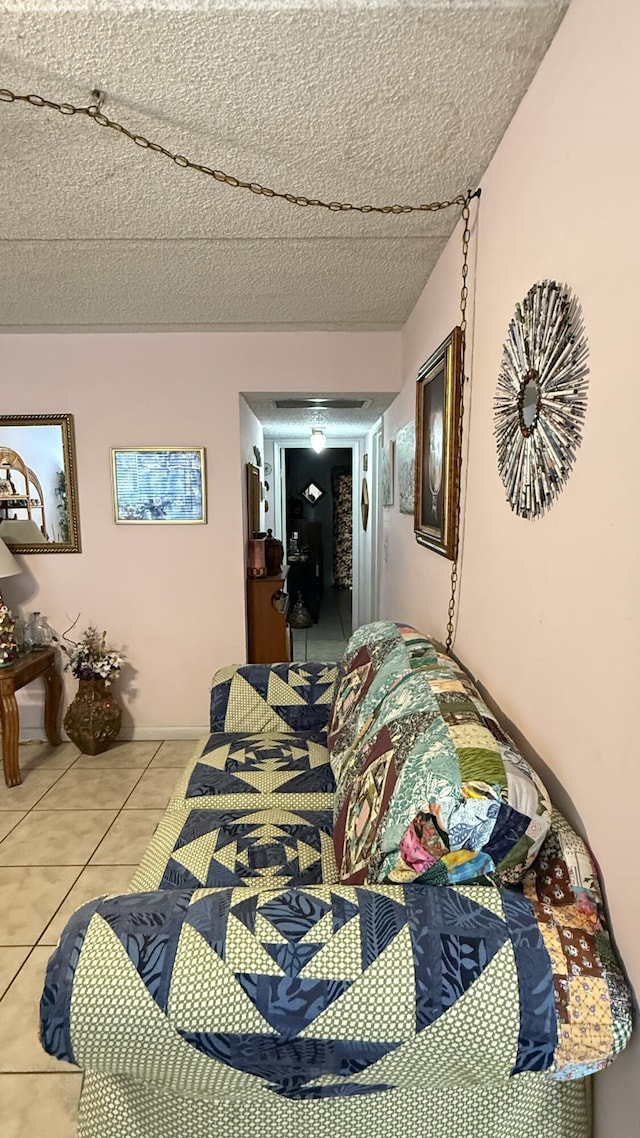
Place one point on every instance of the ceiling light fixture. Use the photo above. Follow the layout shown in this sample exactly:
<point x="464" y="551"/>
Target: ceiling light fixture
<point x="318" y="440"/>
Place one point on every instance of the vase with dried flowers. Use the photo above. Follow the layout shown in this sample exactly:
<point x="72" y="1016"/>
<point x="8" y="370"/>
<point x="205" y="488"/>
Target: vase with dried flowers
<point x="93" y="718"/>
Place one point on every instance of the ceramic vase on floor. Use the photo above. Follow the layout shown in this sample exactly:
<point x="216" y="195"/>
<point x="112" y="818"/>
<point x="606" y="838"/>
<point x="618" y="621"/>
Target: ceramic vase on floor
<point x="93" y="718"/>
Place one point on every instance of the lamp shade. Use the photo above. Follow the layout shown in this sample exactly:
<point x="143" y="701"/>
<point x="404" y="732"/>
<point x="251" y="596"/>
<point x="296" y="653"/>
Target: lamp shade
<point x="21" y="531"/>
<point x="8" y="564"/>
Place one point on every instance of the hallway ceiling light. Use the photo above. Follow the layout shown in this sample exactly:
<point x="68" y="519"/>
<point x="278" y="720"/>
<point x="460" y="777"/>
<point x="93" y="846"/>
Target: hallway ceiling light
<point x="318" y="440"/>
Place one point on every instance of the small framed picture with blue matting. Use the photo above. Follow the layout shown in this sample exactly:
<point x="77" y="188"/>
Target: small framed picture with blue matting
<point x="159" y="485"/>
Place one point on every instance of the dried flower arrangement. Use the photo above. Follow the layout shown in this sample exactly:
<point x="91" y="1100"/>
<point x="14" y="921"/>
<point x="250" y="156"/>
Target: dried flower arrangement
<point x="89" y="658"/>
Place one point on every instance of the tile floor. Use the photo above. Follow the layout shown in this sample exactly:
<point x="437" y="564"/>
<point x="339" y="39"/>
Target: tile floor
<point x="327" y="639"/>
<point x="77" y="827"/>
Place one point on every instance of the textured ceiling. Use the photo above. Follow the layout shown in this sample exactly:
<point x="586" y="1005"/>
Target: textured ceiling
<point x="337" y="424"/>
<point x="361" y="101"/>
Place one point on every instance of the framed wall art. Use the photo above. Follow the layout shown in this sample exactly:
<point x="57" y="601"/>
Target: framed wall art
<point x="438" y="396"/>
<point x="312" y="493"/>
<point x="541" y="399"/>
<point x="159" y="485"/>
<point x="386" y="475"/>
<point x="406" y="467"/>
<point x="38" y="484"/>
<point x="253" y="499"/>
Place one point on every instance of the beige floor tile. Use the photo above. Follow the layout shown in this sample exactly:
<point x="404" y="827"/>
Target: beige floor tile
<point x="10" y="961"/>
<point x="94" y="881"/>
<point x="20" y="1047"/>
<point x="154" y="790"/>
<point x="37" y="1105"/>
<point x="127" y="839"/>
<point x="29" y="898"/>
<point x="9" y="819"/>
<point x="34" y="784"/>
<point x="90" y="790"/>
<point x="174" y="753"/>
<point x="56" y="837"/>
<point x="42" y="756"/>
<point x="120" y="754"/>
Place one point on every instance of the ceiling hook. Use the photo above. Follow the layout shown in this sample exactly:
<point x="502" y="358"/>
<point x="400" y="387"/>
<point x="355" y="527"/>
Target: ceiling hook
<point x="97" y="98"/>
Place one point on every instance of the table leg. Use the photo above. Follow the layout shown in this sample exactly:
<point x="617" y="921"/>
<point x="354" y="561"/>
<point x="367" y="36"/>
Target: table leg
<point x="52" y="697"/>
<point x="10" y="734"/>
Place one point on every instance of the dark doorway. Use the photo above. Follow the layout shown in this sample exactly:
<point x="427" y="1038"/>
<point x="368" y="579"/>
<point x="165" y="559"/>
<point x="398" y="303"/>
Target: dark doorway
<point x="320" y="551"/>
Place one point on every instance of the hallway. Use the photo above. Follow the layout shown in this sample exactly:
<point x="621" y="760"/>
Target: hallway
<point x="327" y="639"/>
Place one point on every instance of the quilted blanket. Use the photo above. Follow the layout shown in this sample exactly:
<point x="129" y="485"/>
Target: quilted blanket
<point x="229" y="972"/>
<point x="240" y="970"/>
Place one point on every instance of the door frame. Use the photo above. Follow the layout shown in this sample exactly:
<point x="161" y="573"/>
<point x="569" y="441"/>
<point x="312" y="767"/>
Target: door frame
<point x="360" y="564"/>
<point x="376" y="521"/>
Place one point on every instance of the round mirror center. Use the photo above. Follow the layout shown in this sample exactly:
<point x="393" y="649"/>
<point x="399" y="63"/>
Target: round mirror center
<point x="529" y="402"/>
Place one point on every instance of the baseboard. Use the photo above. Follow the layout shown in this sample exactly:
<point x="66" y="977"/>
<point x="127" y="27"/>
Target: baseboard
<point x="143" y="733"/>
<point x="135" y="734"/>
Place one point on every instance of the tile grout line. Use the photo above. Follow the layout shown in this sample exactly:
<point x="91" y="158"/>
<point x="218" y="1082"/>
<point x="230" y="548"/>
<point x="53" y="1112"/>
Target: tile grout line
<point x="143" y="771"/>
<point x="15" y="977"/>
<point x="81" y="867"/>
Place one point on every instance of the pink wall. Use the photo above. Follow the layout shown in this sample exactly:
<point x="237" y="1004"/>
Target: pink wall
<point x="550" y="609"/>
<point x="172" y="596"/>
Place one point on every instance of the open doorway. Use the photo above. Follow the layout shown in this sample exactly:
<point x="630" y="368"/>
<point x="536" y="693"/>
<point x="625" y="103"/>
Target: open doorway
<point x="318" y="495"/>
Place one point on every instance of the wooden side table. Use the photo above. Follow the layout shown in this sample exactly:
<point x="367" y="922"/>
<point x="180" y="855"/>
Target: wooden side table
<point x="269" y="638"/>
<point x="40" y="662"/>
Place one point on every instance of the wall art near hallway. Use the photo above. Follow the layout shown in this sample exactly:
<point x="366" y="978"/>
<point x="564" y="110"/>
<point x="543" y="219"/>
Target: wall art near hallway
<point x="438" y="401"/>
<point x="155" y="485"/>
<point x="406" y="467"/>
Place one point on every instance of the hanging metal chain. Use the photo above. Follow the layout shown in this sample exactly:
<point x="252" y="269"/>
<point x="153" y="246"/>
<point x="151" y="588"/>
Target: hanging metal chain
<point x="94" y="112"/>
<point x="464" y="296"/>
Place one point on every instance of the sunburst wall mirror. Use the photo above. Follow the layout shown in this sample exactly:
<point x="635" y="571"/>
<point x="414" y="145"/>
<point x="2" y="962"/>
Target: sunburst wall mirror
<point x="541" y="398"/>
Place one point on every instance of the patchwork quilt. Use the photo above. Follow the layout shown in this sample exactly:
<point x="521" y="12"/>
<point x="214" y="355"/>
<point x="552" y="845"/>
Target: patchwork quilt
<point x="241" y="969"/>
<point x="429" y="786"/>
<point x="328" y="991"/>
<point x="241" y="964"/>
<point x="249" y="809"/>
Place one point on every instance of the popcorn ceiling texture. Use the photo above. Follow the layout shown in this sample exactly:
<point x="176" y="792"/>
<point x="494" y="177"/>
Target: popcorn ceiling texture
<point x="375" y="102"/>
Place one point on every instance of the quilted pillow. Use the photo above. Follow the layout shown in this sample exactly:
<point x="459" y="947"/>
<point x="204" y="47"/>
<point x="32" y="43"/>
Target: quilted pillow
<point x="430" y="788"/>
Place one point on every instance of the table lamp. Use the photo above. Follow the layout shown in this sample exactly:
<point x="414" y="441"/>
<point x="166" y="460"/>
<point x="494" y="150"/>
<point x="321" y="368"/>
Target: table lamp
<point x="8" y="648"/>
<point x="21" y="531"/>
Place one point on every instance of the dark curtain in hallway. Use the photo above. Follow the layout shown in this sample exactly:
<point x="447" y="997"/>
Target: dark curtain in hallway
<point x="342" y="491"/>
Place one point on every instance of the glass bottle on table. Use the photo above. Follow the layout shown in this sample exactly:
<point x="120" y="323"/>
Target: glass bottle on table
<point x="20" y="636"/>
<point x="40" y="631"/>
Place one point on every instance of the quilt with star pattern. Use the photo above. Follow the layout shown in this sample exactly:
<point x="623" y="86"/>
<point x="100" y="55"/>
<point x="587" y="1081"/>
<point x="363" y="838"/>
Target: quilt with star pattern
<point x="240" y="969"/>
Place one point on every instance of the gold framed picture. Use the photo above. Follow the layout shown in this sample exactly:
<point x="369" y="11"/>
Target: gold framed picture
<point x="38" y="484"/>
<point x="437" y="490"/>
<point x="159" y="485"/>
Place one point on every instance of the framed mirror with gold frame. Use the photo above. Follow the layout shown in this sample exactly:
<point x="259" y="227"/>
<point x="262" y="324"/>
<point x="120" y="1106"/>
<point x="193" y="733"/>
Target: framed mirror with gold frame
<point x="38" y="484"/>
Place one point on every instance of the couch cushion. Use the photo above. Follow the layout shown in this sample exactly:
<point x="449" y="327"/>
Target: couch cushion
<point x="429" y="786"/>
<point x="272" y="697"/>
<point x="248" y="808"/>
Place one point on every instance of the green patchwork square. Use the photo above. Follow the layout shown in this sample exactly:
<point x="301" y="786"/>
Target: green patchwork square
<point x="480" y="764"/>
<point x="452" y="703"/>
<point x="517" y="854"/>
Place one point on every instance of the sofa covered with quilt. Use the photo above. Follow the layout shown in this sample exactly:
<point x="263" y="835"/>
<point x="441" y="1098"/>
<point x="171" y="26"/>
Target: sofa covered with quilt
<point x="360" y="914"/>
